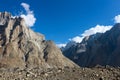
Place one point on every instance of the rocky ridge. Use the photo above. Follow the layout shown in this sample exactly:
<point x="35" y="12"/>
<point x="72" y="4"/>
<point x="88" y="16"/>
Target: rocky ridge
<point x="98" y="49"/>
<point x="20" y="47"/>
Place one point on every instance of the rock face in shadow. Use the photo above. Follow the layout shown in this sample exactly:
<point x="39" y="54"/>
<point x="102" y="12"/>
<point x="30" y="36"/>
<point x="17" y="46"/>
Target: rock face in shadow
<point x="20" y="47"/>
<point x="102" y="49"/>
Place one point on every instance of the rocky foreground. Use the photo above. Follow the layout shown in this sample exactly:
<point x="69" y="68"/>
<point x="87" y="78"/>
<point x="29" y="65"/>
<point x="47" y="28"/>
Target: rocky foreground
<point x="97" y="73"/>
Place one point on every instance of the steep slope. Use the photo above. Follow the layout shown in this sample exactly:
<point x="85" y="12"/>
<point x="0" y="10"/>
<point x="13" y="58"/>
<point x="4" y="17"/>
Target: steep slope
<point x="102" y="49"/>
<point x="21" y="47"/>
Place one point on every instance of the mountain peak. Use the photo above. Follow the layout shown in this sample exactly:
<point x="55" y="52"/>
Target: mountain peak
<point x="22" y="47"/>
<point x="4" y="17"/>
<point x="116" y="27"/>
<point x="98" y="49"/>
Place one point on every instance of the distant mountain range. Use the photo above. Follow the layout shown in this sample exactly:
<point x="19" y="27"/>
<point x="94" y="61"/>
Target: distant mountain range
<point x="98" y="49"/>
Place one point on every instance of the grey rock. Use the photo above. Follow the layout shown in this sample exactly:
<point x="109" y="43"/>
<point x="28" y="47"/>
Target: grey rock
<point x="21" y="47"/>
<point x="98" y="49"/>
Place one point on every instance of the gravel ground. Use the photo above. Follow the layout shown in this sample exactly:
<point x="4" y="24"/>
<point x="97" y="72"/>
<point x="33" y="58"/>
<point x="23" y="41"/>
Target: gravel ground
<point x="96" y="73"/>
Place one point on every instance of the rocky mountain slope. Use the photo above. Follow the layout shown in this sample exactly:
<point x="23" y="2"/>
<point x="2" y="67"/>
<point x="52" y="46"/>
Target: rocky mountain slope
<point x="102" y="49"/>
<point x="20" y="47"/>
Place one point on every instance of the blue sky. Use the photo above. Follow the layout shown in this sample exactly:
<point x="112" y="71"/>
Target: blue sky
<point x="60" y="20"/>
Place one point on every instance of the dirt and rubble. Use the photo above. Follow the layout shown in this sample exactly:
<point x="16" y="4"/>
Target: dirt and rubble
<point x="96" y="73"/>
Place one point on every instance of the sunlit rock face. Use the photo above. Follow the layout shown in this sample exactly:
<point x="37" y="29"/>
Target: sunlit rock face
<point x="20" y="47"/>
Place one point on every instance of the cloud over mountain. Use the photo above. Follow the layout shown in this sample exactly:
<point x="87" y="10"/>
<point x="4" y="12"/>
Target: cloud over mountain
<point x="61" y="45"/>
<point x="93" y="30"/>
<point x="117" y="19"/>
<point x="29" y="17"/>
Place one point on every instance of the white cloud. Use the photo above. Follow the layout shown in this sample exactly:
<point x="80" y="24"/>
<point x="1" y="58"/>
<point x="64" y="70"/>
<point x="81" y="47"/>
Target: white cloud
<point x="96" y="29"/>
<point x="26" y="7"/>
<point x="117" y="19"/>
<point x="77" y="39"/>
<point x="29" y="17"/>
<point x="91" y="31"/>
<point x="61" y="45"/>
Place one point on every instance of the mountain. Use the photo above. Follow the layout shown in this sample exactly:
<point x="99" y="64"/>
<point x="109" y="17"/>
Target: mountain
<point x="98" y="49"/>
<point x="20" y="47"/>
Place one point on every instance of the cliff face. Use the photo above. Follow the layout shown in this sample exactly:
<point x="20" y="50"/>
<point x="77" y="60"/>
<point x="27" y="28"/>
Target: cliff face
<point x="102" y="49"/>
<point x="21" y="47"/>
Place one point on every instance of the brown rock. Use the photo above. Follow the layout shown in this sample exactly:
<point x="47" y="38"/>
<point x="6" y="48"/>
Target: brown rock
<point x="21" y="47"/>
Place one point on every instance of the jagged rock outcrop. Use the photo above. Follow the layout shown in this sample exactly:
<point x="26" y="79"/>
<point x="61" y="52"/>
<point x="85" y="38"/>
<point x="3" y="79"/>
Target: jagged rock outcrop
<point x="102" y="49"/>
<point x="21" y="47"/>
